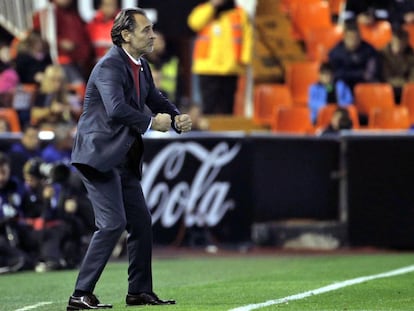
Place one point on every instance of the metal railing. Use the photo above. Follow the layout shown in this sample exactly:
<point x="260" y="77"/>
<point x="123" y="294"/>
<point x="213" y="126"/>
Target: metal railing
<point x="16" y="16"/>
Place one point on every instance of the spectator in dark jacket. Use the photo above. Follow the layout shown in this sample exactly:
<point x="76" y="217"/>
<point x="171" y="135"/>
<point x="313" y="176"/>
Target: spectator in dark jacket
<point x="354" y="60"/>
<point x="397" y="60"/>
<point x="32" y="58"/>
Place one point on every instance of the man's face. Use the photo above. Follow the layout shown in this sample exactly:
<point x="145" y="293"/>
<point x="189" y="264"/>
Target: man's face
<point x="109" y="7"/>
<point x="352" y="40"/>
<point x="141" y="40"/>
<point x="4" y="175"/>
<point x="31" y="181"/>
<point x="30" y="139"/>
<point x="325" y="77"/>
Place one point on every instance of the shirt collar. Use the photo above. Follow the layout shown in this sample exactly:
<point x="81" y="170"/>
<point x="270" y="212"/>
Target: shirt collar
<point x="135" y="61"/>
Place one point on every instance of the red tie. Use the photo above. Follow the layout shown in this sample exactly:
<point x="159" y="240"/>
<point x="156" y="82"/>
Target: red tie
<point x="135" y="70"/>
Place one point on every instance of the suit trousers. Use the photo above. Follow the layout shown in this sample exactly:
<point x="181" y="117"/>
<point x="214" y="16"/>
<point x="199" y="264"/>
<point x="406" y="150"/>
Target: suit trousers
<point x="118" y="203"/>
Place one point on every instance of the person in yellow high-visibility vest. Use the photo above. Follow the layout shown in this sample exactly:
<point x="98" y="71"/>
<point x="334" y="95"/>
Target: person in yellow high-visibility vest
<point x="222" y="50"/>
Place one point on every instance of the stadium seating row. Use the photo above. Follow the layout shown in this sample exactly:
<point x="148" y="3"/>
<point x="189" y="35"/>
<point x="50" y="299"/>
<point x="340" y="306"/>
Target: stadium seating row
<point x="275" y="108"/>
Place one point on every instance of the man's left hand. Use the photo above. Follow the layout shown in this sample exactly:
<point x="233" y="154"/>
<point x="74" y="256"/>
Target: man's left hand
<point x="183" y="122"/>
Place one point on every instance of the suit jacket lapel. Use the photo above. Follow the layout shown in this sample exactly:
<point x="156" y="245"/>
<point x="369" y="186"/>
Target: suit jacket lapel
<point x="135" y="100"/>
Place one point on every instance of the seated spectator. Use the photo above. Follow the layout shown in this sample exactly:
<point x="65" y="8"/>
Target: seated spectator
<point x="341" y="120"/>
<point x="43" y="208"/>
<point x="99" y="28"/>
<point x="74" y="47"/>
<point x="401" y="12"/>
<point x="53" y="103"/>
<point x="365" y="11"/>
<point x="60" y="149"/>
<point x="32" y="58"/>
<point x="328" y="91"/>
<point x="4" y="125"/>
<point x="9" y="79"/>
<point x="28" y="147"/>
<point x="397" y="60"/>
<point x="14" y="240"/>
<point x="354" y="60"/>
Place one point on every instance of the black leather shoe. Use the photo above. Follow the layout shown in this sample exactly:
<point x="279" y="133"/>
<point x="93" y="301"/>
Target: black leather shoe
<point x="86" y="302"/>
<point x="146" y="299"/>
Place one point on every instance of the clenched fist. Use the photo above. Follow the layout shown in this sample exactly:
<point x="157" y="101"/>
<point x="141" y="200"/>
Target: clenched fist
<point x="183" y="122"/>
<point x="161" y="122"/>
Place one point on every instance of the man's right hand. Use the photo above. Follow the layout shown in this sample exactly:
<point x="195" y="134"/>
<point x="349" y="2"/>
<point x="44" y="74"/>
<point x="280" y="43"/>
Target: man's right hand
<point x="161" y="122"/>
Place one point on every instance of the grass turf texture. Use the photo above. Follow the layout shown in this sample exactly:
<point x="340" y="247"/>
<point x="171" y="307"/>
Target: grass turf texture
<point x="221" y="283"/>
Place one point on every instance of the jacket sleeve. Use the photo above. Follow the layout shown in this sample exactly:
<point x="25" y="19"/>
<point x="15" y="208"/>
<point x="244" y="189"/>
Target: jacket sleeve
<point x="246" y="56"/>
<point x="200" y="16"/>
<point x="110" y="83"/>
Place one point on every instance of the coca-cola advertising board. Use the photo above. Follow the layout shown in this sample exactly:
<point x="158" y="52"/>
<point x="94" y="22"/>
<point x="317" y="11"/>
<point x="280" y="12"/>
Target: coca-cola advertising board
<point x="198" y="183"/>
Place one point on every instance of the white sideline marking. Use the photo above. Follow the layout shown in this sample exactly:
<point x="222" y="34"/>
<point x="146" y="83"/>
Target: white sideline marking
<point x="326" y="289"/>
<point x="39" y="304"/>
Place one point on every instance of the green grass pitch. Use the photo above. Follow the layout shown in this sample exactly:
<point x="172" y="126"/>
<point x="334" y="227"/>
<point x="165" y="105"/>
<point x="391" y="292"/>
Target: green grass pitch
<point x="222" y="282"/>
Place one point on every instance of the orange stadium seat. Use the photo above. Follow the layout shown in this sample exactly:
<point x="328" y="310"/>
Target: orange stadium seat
<point x="378" y="35"/>
<point x="409" y="28"/>
<point x="325" y="115"/>
<point x="267" y="97"/>
<point x="308" y="15"/>
<point x="407" y="99"/>
<point x="336" y="6"/>
<point x="292" y="119"/>
<point x="289" y="6"/>
<point x="12" y="118"/>
<point x="319" y="41"/>
<point x="373" y="95"/>
<point x="299" y="77"/>
<point x="389" y="118"/>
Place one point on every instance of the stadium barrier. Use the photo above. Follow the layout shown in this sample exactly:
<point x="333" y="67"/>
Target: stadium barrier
<point x="261" y="188"/>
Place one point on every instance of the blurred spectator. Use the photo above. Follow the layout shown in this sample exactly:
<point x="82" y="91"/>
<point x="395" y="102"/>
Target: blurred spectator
<point x="60" y="149"/>
<point x="403" y="10"/>
<point x="341" y="120"/>
<point x="54" y="103"/>
<point x="354" y="60"/>
<point x="164" y="67"/>
<point x="366" y="11"/>
<point x="32" y="58"/>
<point x="28" y="147"/>
<point x="9" y="79"/>
<point x="328" y="91"/>
<point x="397" y="12"/>
<point x="397" y="60"/>
<point x="44" y="211"/>
<point x="221" y="52"/>
<point x="4" y="125"/>
<point x="12" y="233"/>
<point x="99" y="28"/>
<point x="74" y="47"/>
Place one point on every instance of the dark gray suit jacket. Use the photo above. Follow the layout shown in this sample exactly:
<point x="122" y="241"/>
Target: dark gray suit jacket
<point x="113" y="117"/>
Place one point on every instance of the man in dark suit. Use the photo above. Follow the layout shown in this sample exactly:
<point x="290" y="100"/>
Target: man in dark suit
<point x="107" y="152"/>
